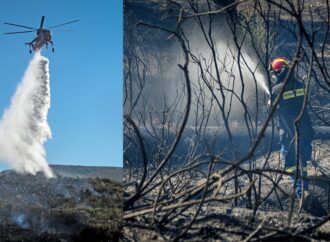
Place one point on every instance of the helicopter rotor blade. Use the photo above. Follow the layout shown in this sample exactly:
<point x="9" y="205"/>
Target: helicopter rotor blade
<point x="63" y="30"/>
<point x="63" y="24"/>
<point x="22" y="26"/>
<point x="42" y="21"/>
<point x="21" y="32"/>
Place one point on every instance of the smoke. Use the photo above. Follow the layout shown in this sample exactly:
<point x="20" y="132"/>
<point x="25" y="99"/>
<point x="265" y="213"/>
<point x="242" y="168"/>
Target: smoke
<point x="239" y="72"/>
<point x="21" y="220"/>
<point x="23" y="127"/>
<point x="233" y="75"/>
<point x="241" y="76"/>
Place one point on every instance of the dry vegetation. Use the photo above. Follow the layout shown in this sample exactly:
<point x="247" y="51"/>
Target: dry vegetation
<point x="192" y="65"/>
<point x="34" y="208"/>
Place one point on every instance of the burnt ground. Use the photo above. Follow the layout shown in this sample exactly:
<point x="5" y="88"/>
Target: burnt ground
<point x="224" y="222"/>
<point x="220" y="221"/>
<point x="34" y="208"/>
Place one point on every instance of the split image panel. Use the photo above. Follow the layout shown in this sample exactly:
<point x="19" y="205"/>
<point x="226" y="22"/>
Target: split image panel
<point x="225" y="120"/>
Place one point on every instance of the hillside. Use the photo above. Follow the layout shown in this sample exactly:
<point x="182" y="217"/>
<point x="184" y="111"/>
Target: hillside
<point x="74" y="171"/>
<point x="78" y="203"/>
<point x="113" y="173"/>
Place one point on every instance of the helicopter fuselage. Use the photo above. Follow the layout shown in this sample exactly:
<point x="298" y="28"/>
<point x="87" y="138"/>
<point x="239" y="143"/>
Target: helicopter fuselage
<point x="43" y="37"/>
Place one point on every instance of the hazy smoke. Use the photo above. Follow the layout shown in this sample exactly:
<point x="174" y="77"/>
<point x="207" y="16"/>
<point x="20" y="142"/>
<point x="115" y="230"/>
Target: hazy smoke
<point x="233" y="76"/>
<point x="24" y="127"/>
<point x="241" y="76"/>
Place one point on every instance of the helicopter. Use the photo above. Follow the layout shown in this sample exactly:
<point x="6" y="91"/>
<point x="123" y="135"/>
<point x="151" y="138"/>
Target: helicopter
<point x="44" y="36"/>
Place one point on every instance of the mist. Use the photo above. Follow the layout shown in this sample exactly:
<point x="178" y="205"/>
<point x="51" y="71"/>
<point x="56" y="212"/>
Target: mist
<point x="243" y="80"/>
<point x="23" y="127"/>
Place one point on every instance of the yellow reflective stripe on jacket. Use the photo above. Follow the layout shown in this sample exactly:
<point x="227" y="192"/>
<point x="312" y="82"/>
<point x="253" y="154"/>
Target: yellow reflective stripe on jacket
<point x="293" y="93"/>
<point x="293" y="168"/>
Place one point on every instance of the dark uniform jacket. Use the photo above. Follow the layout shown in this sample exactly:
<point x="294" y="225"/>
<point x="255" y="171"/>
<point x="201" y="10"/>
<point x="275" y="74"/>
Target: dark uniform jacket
<point x="290" y="106"/>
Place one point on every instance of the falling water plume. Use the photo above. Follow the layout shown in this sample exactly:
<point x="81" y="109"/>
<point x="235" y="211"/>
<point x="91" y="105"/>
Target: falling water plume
<point x="24" y="128"/>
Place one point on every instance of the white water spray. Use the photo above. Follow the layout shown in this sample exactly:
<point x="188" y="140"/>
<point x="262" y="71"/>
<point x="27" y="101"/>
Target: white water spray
<point x="263" y="85"/>
<point x="23" y="127"/>
<point x="259" y="77"/>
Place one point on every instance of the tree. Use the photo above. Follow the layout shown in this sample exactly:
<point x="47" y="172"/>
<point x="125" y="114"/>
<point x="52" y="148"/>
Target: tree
<point x="196" y="83"/>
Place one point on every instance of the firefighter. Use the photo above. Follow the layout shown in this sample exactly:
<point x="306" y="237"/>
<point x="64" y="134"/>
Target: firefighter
<point x="288" y="110"/>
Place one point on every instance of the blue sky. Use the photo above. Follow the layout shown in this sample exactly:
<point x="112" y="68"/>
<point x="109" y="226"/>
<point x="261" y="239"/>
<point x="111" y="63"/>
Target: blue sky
<point x="85" y="75"/>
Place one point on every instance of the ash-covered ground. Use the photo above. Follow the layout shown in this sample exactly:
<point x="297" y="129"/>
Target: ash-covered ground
<point x="222" y="221"/>
<point x="65" y="208"/>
